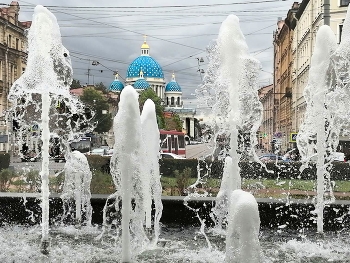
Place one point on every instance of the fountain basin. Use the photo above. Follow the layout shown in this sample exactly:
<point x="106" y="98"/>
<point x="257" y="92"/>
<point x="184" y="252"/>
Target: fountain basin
<point x="24" y="209"/>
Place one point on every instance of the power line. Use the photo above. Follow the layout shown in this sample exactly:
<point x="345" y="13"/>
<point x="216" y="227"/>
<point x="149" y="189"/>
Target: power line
<point x="159" y="6"/>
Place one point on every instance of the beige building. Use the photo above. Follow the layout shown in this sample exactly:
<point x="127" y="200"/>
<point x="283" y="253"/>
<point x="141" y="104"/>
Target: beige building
<point x="310" y="16"/>
<point x="267" y="124"/>
<point x="282" y="87"/>
<point x="13" y="47"/>
<point x="294" y="41"/>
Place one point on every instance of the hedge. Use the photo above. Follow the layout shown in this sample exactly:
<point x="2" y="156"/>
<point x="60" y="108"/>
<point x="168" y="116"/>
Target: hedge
<point x="253" y="170"/>
<point x="249" y="170"/>
<point x="4" y="161"/>
<point x="100" y="163"/>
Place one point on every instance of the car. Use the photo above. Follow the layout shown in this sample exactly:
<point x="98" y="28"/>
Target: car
<point x="30" y="157"/>
<point x="109" y="152"/>
<point x="171" y="156"/>
<point x="98" y="151"/>
<point x="270" y="157"/>
<point x="335" y="157"/>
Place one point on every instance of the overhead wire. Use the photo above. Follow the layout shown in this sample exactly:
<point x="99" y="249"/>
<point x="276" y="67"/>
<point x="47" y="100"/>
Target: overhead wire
<point x="156" y="37"/>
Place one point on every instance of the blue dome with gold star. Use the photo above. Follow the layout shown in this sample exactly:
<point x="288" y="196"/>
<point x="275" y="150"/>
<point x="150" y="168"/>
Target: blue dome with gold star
<point x="150" y="68"/>
<point x="173" y="86"/>
<point x="141" y="83"/>
<point x="116" y="85"/>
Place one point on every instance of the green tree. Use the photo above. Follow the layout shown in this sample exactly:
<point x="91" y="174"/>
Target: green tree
<point x="33" y="179"/>
<point x="95" y="100"/>
<point x="101" y="183"/>
<point x="75" y="84"/>
<point x="150" y="94"/>
<point x="173" y="123"/>
<point x="6" y="177"/>
<point x="101" y="87"/>
<point x="183" y="179"/>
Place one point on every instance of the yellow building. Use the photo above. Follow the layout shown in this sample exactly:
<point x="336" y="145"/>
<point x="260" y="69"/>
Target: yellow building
<point x="13" y="46"/>
<point x="282" y="87"/>
<point x="311" y="15"/>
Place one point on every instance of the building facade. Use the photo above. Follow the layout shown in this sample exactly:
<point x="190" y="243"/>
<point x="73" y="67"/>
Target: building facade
<point x="282" y="87"/>
<point x="13" y="55"/>
<point x="310" y="16"/>
<point x="266" y="131"/>
<point x="294" y="41"/>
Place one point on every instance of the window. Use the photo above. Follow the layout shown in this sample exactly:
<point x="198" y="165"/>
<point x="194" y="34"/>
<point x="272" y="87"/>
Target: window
<point x="172" y="101"/>
<point x="344" y="2"/>
<point x="178" y="101"/>
<point x="1" y="74"/>
<point x="12" y="74"/>
<point x="17" y="43"/>
<point x="163" y="141"/>
<point x="10" y="40"/>
<point x="340" y="32"/>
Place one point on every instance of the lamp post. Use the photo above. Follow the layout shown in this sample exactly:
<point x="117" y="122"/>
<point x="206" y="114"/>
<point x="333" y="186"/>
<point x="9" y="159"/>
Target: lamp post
<point x="200" y="70"/>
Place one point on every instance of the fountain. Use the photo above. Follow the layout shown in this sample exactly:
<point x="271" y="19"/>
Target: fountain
<point x="77" y="188"/>
<point x="36" y="94"/>
<point x="327" y="113"/>
<point x="236" y="87"/>
<point x="136" y="206"/>
<point x="151" y="176"/>
<point x="136" y="179"/>
<point x="242" y="238"/>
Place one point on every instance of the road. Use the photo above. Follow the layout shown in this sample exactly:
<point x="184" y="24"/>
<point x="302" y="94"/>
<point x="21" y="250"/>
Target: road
<point x="53" y="166"/>
<point x="196" y="151"/>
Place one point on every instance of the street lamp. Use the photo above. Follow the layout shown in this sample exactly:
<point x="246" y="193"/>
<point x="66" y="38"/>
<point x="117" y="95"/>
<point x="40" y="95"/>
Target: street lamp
<point x="200" y="70"/>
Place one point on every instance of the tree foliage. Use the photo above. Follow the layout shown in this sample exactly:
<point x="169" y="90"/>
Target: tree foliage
<point x="6" y="177"/>
<point x="174" y="123"/>
<point x="75" y="84"/>
<point x="150" y="94"/>
<point x="95" y="100"/>
<point x="101" y="87"/>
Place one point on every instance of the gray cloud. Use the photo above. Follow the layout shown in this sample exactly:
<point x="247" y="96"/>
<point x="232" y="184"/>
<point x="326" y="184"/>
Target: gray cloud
<point x="176" y="35"/>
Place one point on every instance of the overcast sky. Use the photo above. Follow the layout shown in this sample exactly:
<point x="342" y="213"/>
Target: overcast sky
<point x="178" y="32"/>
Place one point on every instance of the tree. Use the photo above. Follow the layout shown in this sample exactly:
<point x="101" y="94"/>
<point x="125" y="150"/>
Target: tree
<point x="95" y="100"/>
<point x="75" y="84"/>
<point x="150" y="94"/>
<point x="173" y="123"/>
<point x="6" y="177"/>
<point x="101" y="87"/>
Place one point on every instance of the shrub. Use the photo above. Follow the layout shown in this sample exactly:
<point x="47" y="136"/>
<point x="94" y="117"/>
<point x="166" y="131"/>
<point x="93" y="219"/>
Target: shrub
<point x="101" y="183"/>
<point x="6" y="177"/>
<point x="182" y="179"/>
<point x="4" y="161"/>
<point x="56" y="183"/>
<point x="100" y="163"/>
<point x="33" y="179"/>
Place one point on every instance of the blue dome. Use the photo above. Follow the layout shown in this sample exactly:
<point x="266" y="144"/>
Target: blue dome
<point x="116" y="86"/>
<point x="141" y="84"/>
<point x="150" y="68"/>
<point x="172" y="86"/>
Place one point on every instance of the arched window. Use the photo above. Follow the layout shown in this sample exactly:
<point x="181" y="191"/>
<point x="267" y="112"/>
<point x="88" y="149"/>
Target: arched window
<point x="178" y="101"/>
<point x="172" y="101"/>
<point x="167" y="101"/>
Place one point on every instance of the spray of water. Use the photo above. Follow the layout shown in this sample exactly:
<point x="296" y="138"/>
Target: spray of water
<point x="327" y="113"/>
<point x="41" y="98"/>
<point x="135" y="172"/>
<point x="76" y="189"/>
<point x="151" y="175"/>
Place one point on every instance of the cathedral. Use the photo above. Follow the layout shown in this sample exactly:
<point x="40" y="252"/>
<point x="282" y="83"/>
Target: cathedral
<point x="145" y="72"/>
